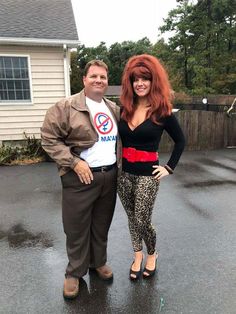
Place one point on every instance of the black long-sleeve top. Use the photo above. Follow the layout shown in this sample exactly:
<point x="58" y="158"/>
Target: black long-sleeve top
<point x="147" y="137"/>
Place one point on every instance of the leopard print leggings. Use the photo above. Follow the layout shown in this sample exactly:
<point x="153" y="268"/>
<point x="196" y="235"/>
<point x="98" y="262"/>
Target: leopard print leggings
<point x="137" y="195"/>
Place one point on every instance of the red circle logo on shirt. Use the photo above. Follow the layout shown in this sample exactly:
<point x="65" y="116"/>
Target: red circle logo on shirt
<point x="103" y="123"/>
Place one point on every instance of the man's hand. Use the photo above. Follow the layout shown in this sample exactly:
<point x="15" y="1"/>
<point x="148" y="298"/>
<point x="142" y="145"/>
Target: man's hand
<point x="84" y="172"/>
<point x="160" y="172"/>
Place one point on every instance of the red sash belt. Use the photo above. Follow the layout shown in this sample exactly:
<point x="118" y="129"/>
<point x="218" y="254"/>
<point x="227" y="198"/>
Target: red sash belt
<point x="134" y="155"/>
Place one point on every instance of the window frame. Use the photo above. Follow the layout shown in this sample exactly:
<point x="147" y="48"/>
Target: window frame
<point x="17" y="102"/>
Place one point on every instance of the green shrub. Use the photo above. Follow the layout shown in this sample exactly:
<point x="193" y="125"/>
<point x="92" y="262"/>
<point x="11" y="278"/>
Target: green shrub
<point x="8" y="153"/>
<point x="30" y="149"/>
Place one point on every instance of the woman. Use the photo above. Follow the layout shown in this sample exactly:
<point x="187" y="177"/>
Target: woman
<point x="146" y="113"/>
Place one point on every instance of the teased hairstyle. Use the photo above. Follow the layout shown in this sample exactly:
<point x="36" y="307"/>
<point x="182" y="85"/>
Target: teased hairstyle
<point x="98" y="63"/>
<point x="147" y="67"/>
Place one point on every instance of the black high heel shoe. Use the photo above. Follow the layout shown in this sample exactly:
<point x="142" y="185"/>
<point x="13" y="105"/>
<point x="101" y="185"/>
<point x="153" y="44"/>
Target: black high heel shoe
<point x="147" y="273"/>
<point x="133" y="273"/>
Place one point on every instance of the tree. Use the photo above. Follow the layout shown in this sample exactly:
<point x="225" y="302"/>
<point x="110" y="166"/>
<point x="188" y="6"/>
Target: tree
<point x="119" y="53"/>
<point x="200" y="57"/>
<point x="204" y="43"/>
<point x="178" y="22"/>
<point x="80" y="58"/>
<point x="76" y="75"/>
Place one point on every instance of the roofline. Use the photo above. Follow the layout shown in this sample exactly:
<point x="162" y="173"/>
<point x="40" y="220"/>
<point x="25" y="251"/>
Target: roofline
<point x="39" y="42"/>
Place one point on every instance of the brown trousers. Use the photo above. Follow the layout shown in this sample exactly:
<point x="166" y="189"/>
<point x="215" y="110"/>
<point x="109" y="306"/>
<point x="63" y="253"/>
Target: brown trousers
<point x="87" y="212"/>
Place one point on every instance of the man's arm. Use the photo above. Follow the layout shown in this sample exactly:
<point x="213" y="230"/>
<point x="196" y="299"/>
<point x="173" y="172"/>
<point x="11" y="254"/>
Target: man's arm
<point x="53" y="132"/>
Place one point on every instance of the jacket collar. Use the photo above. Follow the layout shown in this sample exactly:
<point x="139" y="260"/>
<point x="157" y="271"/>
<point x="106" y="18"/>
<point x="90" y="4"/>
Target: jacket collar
<point x="79" y="101"/>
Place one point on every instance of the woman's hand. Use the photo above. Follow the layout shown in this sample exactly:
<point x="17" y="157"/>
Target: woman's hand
<point x="160" y="172"/>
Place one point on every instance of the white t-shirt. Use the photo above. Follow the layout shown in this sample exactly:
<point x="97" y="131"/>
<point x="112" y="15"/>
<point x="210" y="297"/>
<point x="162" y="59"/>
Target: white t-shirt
<point x="102" y="153"/>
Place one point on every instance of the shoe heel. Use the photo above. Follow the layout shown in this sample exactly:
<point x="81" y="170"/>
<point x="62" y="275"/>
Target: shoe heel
<point x="137" y="274"/>
<point x="150" y="272"/>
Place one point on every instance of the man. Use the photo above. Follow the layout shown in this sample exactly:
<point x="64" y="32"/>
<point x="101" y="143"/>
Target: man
<point x="80" y="134"/>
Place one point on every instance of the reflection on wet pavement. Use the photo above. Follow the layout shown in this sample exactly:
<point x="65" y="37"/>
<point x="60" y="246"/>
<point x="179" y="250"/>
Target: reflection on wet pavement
<point x="204" y="212"/>
<point x="213" y="163"/>
<point x="196" y="228"/>
<point x="190" y="167"/>
<point x="17" y="237"/>
<point x="203" y="184"/>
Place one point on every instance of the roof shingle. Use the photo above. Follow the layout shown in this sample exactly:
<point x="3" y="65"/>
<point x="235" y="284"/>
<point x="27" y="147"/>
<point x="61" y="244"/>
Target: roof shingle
<point x="37" y="19"/>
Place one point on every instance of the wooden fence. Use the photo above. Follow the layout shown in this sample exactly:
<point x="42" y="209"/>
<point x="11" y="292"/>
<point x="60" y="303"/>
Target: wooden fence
<point x="204" y="130"/>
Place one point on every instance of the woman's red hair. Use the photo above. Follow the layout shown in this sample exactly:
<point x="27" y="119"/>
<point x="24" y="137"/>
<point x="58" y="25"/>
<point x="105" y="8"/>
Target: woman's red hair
<point x="147" y="67"/>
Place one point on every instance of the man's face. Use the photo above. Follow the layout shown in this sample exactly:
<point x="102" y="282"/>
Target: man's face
<point x="95" y="82"/>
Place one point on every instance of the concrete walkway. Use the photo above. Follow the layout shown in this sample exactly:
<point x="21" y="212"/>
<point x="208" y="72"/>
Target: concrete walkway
<point x="195" y="215"/>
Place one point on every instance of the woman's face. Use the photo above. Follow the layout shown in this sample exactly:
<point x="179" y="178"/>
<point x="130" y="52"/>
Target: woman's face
<point x="141" y="86"/>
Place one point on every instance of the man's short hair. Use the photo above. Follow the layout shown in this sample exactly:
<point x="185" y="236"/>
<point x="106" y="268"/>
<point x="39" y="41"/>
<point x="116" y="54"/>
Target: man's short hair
<point x="98" y="63"/>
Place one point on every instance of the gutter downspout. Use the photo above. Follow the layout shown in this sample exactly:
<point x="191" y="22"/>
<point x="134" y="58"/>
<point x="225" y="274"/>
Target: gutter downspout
<point x="66" y="70"/>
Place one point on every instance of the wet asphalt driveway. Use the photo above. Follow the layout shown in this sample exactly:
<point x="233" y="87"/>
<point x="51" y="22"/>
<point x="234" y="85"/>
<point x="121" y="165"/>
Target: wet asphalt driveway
<point x="195" y="215"/>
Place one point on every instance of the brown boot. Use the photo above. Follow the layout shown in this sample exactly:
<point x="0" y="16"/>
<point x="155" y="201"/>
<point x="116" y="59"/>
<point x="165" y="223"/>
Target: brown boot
<point x="104" y="272"/>
<point x="71" y="287"/>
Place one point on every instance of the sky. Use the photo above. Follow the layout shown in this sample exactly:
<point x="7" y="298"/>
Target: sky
<point x="117" y="21"/>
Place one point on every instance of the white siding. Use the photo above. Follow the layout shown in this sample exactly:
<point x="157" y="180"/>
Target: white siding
<point x="47" y="74"/>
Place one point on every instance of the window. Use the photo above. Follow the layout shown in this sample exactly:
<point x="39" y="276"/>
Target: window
<point x="14" y="79"/>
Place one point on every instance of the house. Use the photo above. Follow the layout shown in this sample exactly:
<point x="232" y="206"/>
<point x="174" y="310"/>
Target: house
<point x="35" y="42"/>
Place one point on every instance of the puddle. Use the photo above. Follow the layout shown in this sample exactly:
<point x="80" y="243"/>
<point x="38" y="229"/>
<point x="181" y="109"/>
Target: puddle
<point x="17" y="237"/>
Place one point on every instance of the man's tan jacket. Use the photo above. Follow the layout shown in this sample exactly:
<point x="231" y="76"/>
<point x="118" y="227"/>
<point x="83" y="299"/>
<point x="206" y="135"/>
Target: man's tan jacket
<point x="68" y="130"/>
